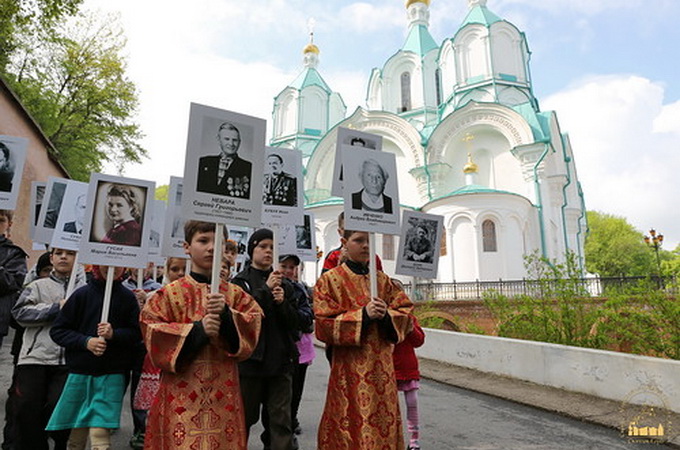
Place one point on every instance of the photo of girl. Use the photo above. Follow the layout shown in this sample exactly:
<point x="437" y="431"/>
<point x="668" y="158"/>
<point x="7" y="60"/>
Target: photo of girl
<point x="119" y="214"/>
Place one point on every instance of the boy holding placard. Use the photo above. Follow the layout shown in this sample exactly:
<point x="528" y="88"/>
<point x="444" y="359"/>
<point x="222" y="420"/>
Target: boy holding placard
<point x="12" y="271"/>
<point x="363" y="414"/>
<point x="196" y="338"/>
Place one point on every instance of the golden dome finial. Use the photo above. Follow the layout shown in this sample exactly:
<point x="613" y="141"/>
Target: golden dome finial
<point x="410" y="2"/>
<point x="310" y="48"/>
<point x="470" y="167"/>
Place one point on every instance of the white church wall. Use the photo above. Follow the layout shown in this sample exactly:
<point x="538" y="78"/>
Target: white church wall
<point x="447" y="64"/>
<point x="403" y="62"/>
<point x="506" y="51"/>
<point x="286" y="113"/>
<point x="313" y="109"/>
<point x="336" y="110"/>
<point x="464" y="249"/>
<point x="473" y="56"/>
<point x="374" y="95"/>
<point x="491" y="265"/>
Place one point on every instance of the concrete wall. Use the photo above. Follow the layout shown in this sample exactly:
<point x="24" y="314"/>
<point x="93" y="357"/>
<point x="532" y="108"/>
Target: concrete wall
<point x="611" y="375"/>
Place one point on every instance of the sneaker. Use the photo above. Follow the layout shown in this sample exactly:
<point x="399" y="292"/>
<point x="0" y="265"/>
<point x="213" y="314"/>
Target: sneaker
<point x="137" y="441"/>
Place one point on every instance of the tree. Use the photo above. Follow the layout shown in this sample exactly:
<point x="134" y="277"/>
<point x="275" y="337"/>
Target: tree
<point x="162" y="192"/>
<point x="24" y="17"/>
<point x="614" y="247"/>
<point x="72" y="80"/>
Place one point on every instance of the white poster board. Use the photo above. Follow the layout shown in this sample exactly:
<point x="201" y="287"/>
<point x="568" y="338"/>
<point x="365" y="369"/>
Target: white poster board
<point x="49" y="212"/>
<point x="240" y="236"/>
<point x="223" y="167"/>
<point x="419" y="244"/>
<point x="117" y="221"/>
<point x="305" y="239"/>
<point x="37" y="195"/>
<point x="350" y="138"/>
<point x="71" y="218"/>
<point x="12" y="158"/>
<point x="173" y="230"/>
<point x="282" y="187"/>
<point x="156" y="232"/>
<point x="370" y="191"/>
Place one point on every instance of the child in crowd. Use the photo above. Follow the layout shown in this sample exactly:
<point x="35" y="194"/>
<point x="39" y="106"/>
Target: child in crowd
<point x="338" y="255"/>
<point x="148" y="285"/>
<point x="98" y="360"/>
<point x="12" y="271"/>
<point x="362" y="406"/>
<point x="41" y="368"/>
<point x="196" y="338"/>
<point x="150" y="378"/>
<point x="229" y="260"/>
<point x="408" y="379"/>
<point x="266" y="378"/>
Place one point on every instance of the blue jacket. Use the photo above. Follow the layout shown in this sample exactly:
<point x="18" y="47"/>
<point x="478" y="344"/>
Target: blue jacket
<point x="77" y="321"/>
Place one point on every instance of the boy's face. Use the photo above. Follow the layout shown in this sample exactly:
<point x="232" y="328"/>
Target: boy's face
<point x="357" y="247"/>
<point x="176" y="269"/>
<point x="230" y="257"/>
<point x="62" y="260"/>
<point x="263" y="254"/>
<point x="200" y="250"/>
<point x="288" y="268"/>
<point x="5" y="223"/>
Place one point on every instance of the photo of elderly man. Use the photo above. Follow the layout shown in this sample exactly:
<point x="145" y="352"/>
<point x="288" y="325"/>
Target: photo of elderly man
<point x="227" y="173"/>
<point x="371" y="197"/>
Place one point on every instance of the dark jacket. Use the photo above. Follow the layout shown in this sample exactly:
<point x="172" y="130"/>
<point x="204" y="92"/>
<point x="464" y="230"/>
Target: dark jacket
<point x="236" y="180"/>
<point x="357" y="203"/>
<point x="77" y="321"/>
<point x="12" y="273"/>
<point x="276" y="351"/>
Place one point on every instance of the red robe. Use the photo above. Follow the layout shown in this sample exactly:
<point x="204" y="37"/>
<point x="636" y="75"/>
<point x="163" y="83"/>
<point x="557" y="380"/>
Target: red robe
<point x="362" y="406"/>
<point x="199" y="407"/>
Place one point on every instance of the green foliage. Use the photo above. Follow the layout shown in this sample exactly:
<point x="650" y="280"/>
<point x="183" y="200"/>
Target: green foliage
<point x="162" y="192"/>
<point x="643" y="319"/>
<point x="72" y="80"/>
<point x="615" y="248"/>
<point x="431" y="321"/>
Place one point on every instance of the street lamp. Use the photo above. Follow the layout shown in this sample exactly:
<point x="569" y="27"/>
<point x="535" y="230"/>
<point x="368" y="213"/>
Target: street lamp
<point x="655" y="242"/>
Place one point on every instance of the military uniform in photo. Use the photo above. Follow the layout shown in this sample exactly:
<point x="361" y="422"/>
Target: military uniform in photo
<point x="280" y="190"/>
<point x="224" y="176"/>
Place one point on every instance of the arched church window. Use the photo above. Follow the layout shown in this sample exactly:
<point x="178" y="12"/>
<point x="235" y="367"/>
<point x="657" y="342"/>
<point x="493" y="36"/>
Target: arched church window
<point x="438" y="85"/>
<point x="489" y="236"/>
<point x="405" y="92"/>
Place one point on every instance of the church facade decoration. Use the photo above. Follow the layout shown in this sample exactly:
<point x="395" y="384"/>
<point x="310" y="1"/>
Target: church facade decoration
<point x="470" y="140"/>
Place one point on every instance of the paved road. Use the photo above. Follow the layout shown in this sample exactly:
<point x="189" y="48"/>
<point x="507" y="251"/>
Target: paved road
<point x="451" y="418"/>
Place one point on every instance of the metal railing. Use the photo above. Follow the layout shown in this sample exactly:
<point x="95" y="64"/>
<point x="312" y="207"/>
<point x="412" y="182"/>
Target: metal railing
<point x="475" y="290"/>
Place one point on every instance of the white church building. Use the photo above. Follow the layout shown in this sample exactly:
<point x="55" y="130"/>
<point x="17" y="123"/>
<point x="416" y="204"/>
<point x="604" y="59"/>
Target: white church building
<point x="470" y="140"/>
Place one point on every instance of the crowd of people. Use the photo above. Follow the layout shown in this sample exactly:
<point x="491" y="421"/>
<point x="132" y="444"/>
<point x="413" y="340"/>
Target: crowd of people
<point x="204" y="365"/>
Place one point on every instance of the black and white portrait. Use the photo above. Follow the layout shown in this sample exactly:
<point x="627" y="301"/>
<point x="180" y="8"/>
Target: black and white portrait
<point x="49" y="211"/>
<point x="240" y="237"/>
<point x="223" y="168"/>
<point x="177" y="219"/>
<point x="419" y="244"/>
<point x="280" y="187"/>
<point x="12" y="158"/>
<point x="76" y="225"/>
<point x="372" y="195"/>
<point x="172" y="241"/>
<point x="71" y="218"/>
<point x="348" y="137"/>
<point x="303" y="234"/>
<point x="371" y="191"/>
<point x="227" y="172"/>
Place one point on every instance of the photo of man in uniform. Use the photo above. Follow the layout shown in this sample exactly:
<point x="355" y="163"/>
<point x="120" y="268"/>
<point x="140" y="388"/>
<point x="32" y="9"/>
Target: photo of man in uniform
<point x="371" y="197"/>
<point x="227" y="173"/>
<point x="280" y="188"/>
<point x="419" y="246"/>
<point x="76" y="226"/>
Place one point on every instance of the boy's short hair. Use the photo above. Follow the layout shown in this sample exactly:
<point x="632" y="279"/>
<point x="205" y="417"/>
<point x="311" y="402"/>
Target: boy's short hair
<point x="230" y="246"/>
<point x="191" y="227"/>
<point x="341" y="220"/>
<point x="7" y="213"/>
<point x="348" y="233"/>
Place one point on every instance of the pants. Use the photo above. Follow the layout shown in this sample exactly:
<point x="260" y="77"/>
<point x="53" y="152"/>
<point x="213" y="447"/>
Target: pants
<point x="274" y="393"/>
<point x="138" y="415"/>
<point x="299" y="375"/>
<point x="38" y="389"/>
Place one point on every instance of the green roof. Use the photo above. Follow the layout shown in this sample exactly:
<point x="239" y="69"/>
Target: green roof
<point x="477" y="189"/>
<point x="310" y="77"/>
<point x="419" y="40"/>
<point x="480" y="15"/>
<point x="538" y="121"/>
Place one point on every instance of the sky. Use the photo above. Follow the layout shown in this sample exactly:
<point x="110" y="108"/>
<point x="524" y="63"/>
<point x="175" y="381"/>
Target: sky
<point x="609" y="68"/>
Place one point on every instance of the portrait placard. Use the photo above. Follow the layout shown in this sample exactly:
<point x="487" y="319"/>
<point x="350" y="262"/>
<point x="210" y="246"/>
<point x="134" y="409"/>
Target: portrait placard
<point x="223" y="167"/>
<point x="172" y="244"/>
<point x="282" y="187"/>
<point x="117" y="221"/>
<point x="240" y="236"/>
<point x="71" y="218"/>
<point x="37" y="195"/>
<point x="305" y="239"/>
<point x="348" y="137"/>
<point x="419" y="244"/>
<point x="12" y="158"/>
<point x="371" y="191"/>
<point x="156" y="232"/>
<point x="49" y="212"/>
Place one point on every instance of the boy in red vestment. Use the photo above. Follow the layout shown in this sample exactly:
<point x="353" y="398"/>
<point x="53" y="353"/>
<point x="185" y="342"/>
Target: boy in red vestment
<point x="362" y="407"/>
<point x="196" y="339"/>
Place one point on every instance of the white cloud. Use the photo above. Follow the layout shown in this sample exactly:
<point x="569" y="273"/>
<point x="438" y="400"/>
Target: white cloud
<point x="365" y="17"/>
<point x="588" y="7"/>
<point x="625" y="166"/>
<point x="668" y="120"/>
